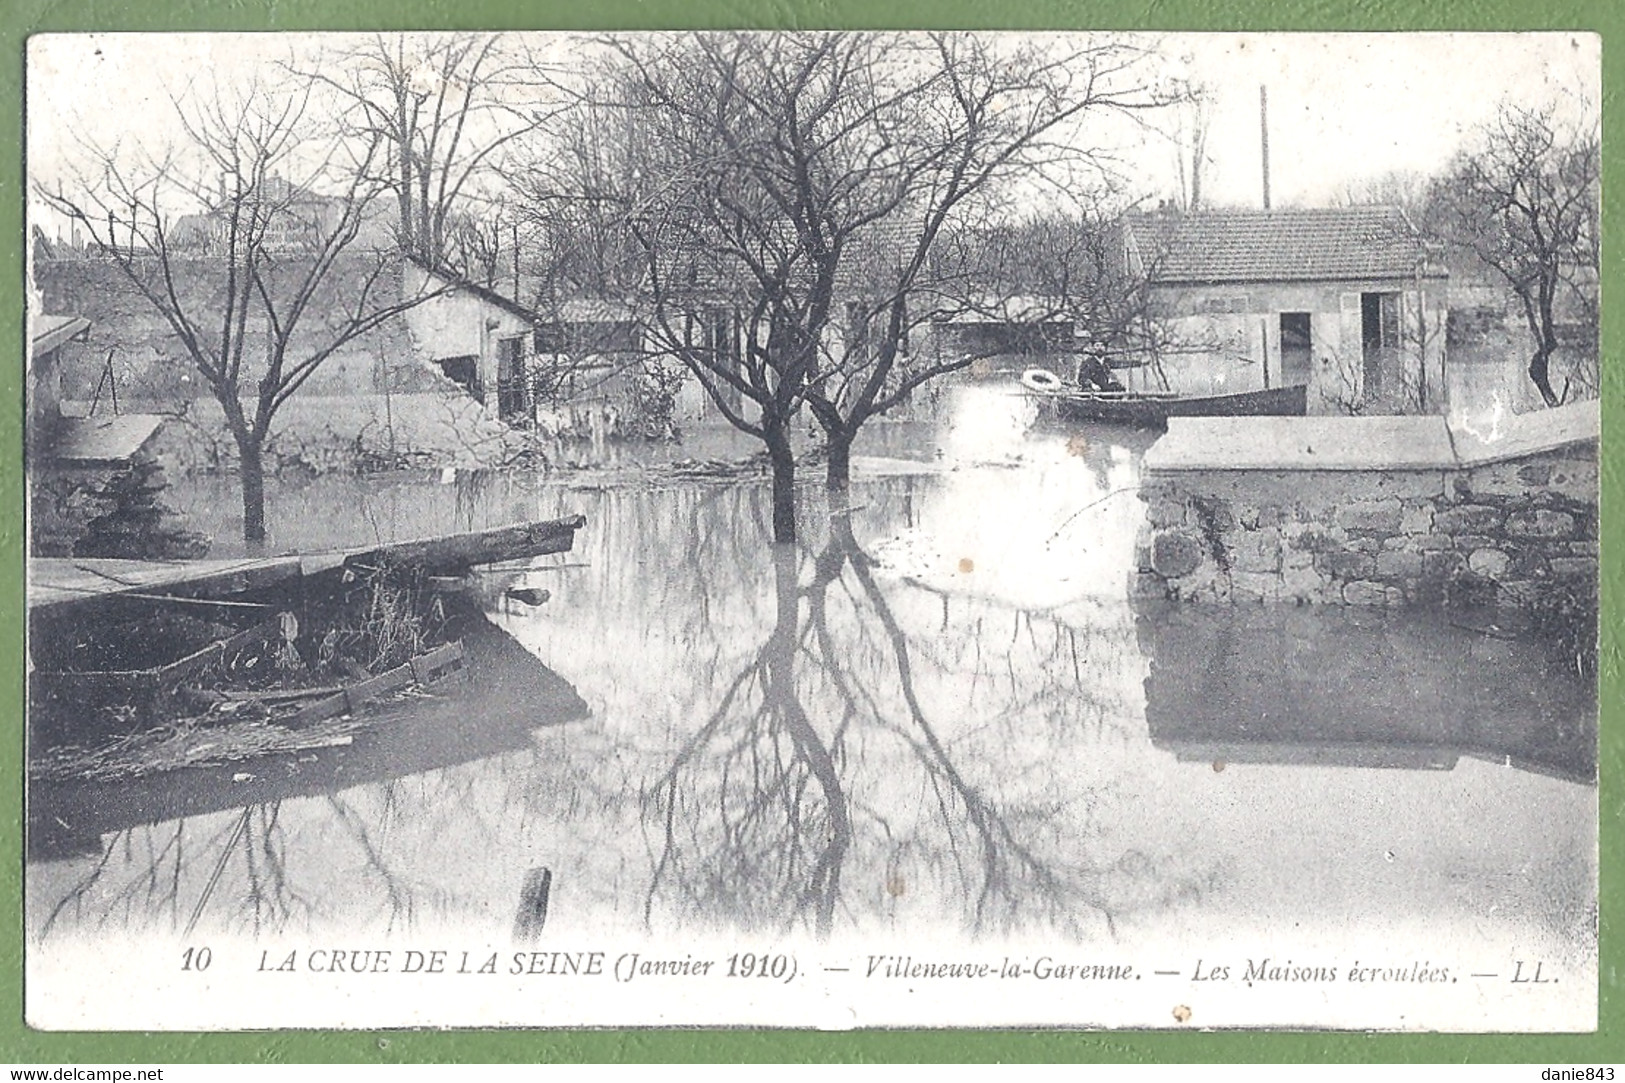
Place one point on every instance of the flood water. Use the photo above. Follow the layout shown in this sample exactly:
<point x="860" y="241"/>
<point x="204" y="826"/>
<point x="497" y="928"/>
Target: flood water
<point x="948" y="717"/>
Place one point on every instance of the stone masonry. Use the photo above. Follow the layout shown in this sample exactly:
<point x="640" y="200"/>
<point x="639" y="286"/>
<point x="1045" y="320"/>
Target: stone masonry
<point x="1372" y="511"/>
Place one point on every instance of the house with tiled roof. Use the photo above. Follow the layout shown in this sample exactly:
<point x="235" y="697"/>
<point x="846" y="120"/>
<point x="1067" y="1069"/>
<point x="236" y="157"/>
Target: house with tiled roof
<point x="1348" y="301"/>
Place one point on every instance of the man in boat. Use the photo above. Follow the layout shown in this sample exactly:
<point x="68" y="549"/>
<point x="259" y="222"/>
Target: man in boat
<point x="1094" y="374"/>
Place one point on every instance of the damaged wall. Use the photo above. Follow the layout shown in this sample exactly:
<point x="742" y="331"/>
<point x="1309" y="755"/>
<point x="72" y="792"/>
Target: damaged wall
<point x="377" y="402"/>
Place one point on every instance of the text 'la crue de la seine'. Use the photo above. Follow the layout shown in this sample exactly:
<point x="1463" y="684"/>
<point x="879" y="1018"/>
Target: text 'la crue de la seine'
<point x="785" y="967"/>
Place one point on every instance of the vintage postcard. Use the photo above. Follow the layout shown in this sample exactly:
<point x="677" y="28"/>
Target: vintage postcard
<point x="812" y="529"/>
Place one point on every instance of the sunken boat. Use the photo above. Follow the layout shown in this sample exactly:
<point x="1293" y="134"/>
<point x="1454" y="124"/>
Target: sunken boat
<point x="138" y="668"/>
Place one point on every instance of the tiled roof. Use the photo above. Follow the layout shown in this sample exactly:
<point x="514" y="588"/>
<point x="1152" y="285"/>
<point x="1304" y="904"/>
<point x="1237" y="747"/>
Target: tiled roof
<point x="1329" y="244"/>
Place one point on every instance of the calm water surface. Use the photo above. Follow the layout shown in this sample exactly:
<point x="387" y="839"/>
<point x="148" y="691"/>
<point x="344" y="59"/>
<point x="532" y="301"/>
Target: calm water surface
<point x="949" y="716"/>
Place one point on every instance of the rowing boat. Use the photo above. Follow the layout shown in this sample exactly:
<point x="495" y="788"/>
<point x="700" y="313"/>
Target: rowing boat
<point x="1152" y="410"/>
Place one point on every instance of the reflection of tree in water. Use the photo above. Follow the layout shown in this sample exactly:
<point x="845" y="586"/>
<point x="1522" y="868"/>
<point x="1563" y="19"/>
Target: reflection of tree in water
<point x="869" y="750"/>
<point x="830" y="759"/>
<point x="234" y="874"/>
<point x="149" y="876"/>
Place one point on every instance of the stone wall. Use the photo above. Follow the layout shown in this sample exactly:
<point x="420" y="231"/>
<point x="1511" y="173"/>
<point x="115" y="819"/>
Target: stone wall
<point x="1372" y="511"/>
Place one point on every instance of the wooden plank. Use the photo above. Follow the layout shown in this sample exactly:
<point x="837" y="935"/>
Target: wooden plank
<point x="320" y="711"/>
<point x="459" y="551"/>
<point x="272" y="695"/>
<point x="61" y="581"/>
<point x="439" y="662"/>
<point x="423" y="669"/>
<point x="97" y="680"/>
<point x="449" y="584"/>
<point x="381" y="685"/>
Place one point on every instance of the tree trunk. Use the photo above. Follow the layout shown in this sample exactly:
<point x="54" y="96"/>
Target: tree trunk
<point x="1540" y="373"/>
<point x="838" y="470"/>
<point x="251" y="469"/>
<point x="784" y="483"/>
<point x="1543" y="324"/>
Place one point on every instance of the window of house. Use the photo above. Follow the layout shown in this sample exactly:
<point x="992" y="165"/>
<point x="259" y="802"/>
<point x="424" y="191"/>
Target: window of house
<point x="1226" y="303"/>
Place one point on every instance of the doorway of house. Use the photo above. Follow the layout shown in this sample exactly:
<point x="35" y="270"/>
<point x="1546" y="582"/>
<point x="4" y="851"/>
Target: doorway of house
<point x="510" y="378"/>
<point x="1297" y="348"/>
<point x="1379" y="339"/>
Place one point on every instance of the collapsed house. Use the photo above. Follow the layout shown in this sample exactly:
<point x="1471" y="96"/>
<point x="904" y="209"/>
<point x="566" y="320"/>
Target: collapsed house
<point x="477" y="338"/>
<point x="432" y="385"/>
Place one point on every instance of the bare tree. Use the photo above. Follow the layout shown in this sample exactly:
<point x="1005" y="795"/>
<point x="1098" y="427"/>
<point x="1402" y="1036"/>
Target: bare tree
<point x="778" y="799"/>
<point x="281" y="283"/>
<point x="1525" y="203"/>
<point x="587" y="271"/>
<point x="787" y="193"/>
<point x="442" y="109"/>
<point x="1077" y="292"/>
<point x="1191" y="124"/>
<point x="479" y="245"/>
<point x="1403" y="188"/>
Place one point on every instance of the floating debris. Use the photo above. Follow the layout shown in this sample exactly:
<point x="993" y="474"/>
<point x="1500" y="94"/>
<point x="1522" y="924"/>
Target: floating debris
<point x="531" y="596"/>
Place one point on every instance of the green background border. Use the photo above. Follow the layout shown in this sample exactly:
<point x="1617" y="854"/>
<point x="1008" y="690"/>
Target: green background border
<point x="19" y="18"/>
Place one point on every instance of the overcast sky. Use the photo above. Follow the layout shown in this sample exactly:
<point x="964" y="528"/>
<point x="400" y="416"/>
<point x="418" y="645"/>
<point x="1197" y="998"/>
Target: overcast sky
<point x="1347" y="106"/>
<point x="1342" y="107"/>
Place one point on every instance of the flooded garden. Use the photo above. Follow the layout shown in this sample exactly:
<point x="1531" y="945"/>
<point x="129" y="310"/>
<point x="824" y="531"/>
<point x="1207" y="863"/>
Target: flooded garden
<point x="940" y="712"/>
<point x="822" y="521"/>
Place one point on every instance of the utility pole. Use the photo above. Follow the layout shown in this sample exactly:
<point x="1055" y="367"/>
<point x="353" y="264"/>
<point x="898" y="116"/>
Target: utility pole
<point x="1264" y="137"/>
